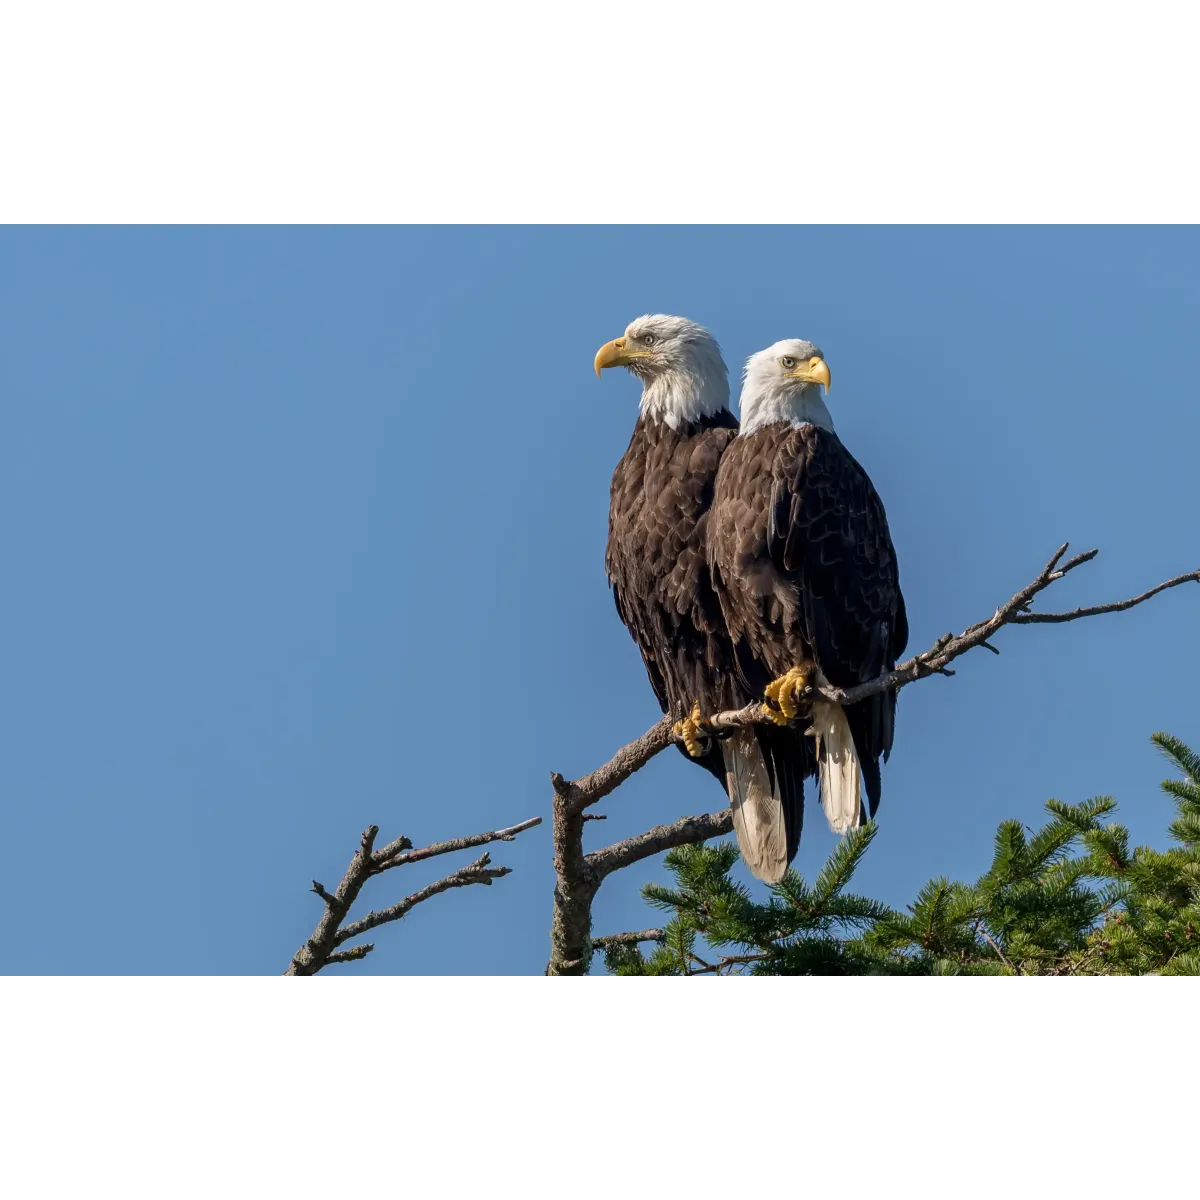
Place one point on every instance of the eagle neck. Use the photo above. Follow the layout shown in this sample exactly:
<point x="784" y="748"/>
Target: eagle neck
<point x="774" y="404"/>
<point x="683" y="396"/>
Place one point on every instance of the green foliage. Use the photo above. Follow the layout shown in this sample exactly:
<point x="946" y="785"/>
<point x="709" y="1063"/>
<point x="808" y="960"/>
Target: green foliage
<point x="1070" y="898"/>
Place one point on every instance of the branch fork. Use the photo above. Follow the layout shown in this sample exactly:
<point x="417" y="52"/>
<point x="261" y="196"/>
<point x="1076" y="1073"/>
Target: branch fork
<point x="323" y="948"/>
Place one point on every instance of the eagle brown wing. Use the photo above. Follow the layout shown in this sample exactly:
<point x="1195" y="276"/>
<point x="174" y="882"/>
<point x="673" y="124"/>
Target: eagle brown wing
<point x="829" y="535"/>
<point x="657" y="564"/>
<point x="805" y="567"/>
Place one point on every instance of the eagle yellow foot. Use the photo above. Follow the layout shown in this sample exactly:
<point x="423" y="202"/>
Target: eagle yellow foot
<point x="786" y="693"/>
<point x="692" y="733"/>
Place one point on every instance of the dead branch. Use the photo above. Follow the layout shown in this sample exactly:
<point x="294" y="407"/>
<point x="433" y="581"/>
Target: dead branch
<point x="654" y="841"/>
<point x="579" y="876"/>
<point x="478" y="872"/>
<point x="391" y="856"/>
<point x="628" y="939"/>
<point x="1015" y="611"/>
<point x="999" y="953"/>
<point x="351" y="955"/>
<point x="1119" y="606"/>
<point x="322" y="949"/>
<point x="727" y="962"/>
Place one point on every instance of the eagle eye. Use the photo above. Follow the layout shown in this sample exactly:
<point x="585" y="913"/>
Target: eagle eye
<point x="787" y="362"/>
<point x="649" y="339"/>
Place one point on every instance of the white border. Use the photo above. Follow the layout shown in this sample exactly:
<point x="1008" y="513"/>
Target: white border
<point x="659" y="112"/>
<point x="182" y="1087"/>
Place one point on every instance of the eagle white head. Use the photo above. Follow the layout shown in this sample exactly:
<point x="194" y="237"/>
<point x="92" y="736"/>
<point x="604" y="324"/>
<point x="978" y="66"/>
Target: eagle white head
<point x="784" y="382"/>
<point x="679" y="363"/>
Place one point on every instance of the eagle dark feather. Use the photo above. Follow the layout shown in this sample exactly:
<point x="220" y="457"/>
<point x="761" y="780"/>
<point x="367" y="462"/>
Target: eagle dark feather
<point x="657" y="564"/>
<point x="804" y="567"/>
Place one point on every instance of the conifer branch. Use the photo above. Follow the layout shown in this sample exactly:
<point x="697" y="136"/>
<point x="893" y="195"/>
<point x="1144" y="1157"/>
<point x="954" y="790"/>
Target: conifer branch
<point x="322" y="949"/>
<point x="579" y="876"/>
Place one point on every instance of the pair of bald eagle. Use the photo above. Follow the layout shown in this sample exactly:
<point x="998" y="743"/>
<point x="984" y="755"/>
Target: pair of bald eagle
<point x="749" y="562"/>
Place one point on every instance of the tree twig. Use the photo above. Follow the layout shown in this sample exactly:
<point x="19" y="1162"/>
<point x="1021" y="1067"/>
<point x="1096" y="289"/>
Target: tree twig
<point x="1033" y="618"/>
<point x="387" y="858"/>
<point x="321" y="950"/>
<point x="999" y="953"/>
<point x="729" y="960"/>
<point x="579" y="876"/>
<point x="478" y="872"/>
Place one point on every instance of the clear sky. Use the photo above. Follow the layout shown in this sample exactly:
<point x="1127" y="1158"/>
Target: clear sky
<point x="303" y="529"/>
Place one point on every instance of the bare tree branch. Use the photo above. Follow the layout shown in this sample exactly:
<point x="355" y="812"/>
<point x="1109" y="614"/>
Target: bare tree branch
<point x="654" y="841"/>
<point x="477" y="872"/>
<point x="728" y="961"/>
<point x="579" y="876"/>
<point x="1120" y="606"/>
<point x="384" y="860"/>
<point x="999" y="953"/>
<point x="594" y="787"/>
<point x="314" y="954"/>
<point x="351" y="955"/>
<point x="628" y="939"/>
<point x="322" y="948"/>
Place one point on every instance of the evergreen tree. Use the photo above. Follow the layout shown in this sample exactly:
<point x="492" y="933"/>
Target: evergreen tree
<point x="1068" y="899"/>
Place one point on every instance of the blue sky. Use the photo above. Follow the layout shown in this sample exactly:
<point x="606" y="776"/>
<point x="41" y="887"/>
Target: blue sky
<point x="304" y="530"/>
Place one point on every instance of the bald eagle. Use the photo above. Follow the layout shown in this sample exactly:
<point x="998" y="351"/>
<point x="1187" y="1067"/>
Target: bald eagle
<point x="805" y="571"/>
<point x="657" y="565"/>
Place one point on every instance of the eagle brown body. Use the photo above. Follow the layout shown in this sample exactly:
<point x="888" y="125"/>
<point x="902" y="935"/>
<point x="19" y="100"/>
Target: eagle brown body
<point x="657" y="560"/>
<point x="804" y="568"/>
<point x="657" y="563"/>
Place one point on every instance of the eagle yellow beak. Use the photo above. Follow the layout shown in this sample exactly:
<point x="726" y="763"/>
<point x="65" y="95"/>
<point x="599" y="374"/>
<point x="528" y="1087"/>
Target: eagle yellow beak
<point x="616" y="354"/>
<point x="816" y="370"/>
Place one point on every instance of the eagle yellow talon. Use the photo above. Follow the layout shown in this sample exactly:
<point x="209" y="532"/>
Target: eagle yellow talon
<point x="691" y="732"/>
<point x="786" y="693"/>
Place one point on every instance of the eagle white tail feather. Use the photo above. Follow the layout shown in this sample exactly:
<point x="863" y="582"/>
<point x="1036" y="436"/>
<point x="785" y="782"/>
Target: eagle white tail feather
<point x="757" y="809"/>
<point x="841" y="774"/>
